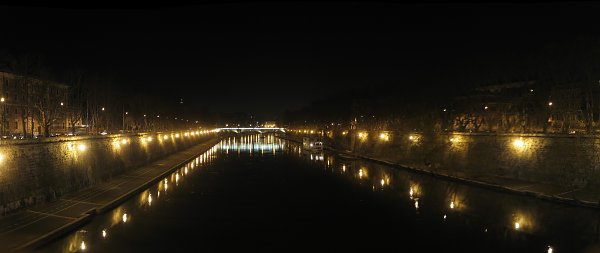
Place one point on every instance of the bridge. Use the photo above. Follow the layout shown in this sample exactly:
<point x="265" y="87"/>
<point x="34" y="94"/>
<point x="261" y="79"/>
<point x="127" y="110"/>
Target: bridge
<point x="251" y="129"/>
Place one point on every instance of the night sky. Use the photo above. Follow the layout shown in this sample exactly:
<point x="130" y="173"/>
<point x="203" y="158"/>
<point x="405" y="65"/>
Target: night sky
<point x="267" y="57"/>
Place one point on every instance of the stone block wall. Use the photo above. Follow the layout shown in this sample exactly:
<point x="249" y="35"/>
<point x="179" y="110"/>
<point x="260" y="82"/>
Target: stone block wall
<point x="34" y="171"/>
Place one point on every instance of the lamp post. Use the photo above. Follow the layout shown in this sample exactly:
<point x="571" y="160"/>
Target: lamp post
<point x="124" y="113"/>
<point x="64" y="121"/>
<point x="3" y="114"/>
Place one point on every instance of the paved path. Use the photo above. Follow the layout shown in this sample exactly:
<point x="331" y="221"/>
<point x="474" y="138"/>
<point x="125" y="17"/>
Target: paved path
<point x="38" y="225"/>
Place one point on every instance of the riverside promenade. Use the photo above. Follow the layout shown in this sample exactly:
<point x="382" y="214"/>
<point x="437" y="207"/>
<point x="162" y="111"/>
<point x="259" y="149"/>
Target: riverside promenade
<point x="35" y="226"/>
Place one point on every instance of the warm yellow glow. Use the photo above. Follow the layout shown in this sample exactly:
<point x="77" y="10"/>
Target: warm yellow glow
<point x="384" y="136"/>
<point x="360" y="173"/>
<point x="414" y="191"/>
<point x="344" y="168"/>
<point x="149" y="199"/>
<point x="444" y="216"/>
<point x="416" y="204"/>
<point x="549" y="103"/>
<point x="363" y="136"/>
<point x="517" y="225"/>
<point x="455" y="139"/>
<point x="82" y="242"/>
<point x="104" y="233"/>
<point x="550" y="249"/>
<point x="177" y="135"/>
<point x="452" y="205"/>
<point x="124" y="141"/>
<point x="82" y="147"/>
<point x="382" y="182"/>
<point x="149" y="139"/>
<point x="344" y="132"/>
<point x="125" y="218"/>
<point x="413" y="138"/>
<point x="312" y="131"/>
<point x="166" y="137"/>
<point x="1" y="99"/>
<point x="519" y="143"/>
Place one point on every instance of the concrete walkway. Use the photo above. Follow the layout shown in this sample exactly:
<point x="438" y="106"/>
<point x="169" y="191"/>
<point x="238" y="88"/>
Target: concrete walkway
<point x="35" y="226"/>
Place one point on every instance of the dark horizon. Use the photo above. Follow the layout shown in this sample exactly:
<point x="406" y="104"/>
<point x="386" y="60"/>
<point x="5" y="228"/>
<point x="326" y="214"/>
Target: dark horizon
<point x="212" y="55"/>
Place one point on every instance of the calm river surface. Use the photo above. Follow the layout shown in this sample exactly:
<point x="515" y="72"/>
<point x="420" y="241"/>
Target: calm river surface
<point x="261" y="193"/>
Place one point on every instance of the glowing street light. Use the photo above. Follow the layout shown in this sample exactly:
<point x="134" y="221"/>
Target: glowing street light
<point x="550" y="103"/>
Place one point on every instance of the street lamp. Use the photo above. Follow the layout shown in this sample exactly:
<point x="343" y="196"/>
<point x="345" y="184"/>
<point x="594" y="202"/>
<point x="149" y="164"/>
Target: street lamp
<point x="3" y="112"/>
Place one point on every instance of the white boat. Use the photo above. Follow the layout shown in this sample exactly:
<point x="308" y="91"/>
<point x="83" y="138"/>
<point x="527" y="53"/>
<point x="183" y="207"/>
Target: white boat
<point x="312" y="144"/>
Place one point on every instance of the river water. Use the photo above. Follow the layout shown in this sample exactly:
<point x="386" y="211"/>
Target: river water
<point x="260" y="193"/>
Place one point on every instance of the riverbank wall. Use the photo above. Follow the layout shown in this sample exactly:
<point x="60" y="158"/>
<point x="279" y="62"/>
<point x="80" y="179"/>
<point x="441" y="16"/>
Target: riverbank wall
<point x="42" y="170"/>
<point x="566" y="160"/>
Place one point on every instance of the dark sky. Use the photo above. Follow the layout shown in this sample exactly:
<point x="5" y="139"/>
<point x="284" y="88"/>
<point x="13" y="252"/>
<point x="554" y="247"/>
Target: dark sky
<point x="267" y="57"/>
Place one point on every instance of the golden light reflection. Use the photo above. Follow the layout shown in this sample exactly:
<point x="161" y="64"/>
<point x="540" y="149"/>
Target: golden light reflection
<point x="125" y="217"/>
<point x="82" y="245"/>
<point x="522" y="221"/>
<point x="362" y="173"/>
<point x="104" y="233"/>
<point x="414" y="191"/>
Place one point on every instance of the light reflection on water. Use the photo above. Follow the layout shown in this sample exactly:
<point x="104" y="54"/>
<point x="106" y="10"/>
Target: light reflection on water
<point x="499" y="215"/>
<point x="83" y="240"/>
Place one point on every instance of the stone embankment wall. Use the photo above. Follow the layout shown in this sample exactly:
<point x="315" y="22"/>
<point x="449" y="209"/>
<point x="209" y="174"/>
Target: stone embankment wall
<point x="568" y="160"/>
<point x="34" y="171"/>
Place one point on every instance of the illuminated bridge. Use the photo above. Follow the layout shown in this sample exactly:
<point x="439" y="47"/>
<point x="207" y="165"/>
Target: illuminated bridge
<point x="251" y="129"/>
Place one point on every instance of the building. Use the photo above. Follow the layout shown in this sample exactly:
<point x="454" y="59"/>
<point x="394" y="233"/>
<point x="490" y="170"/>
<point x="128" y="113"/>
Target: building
<point x="30" y="106"/>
